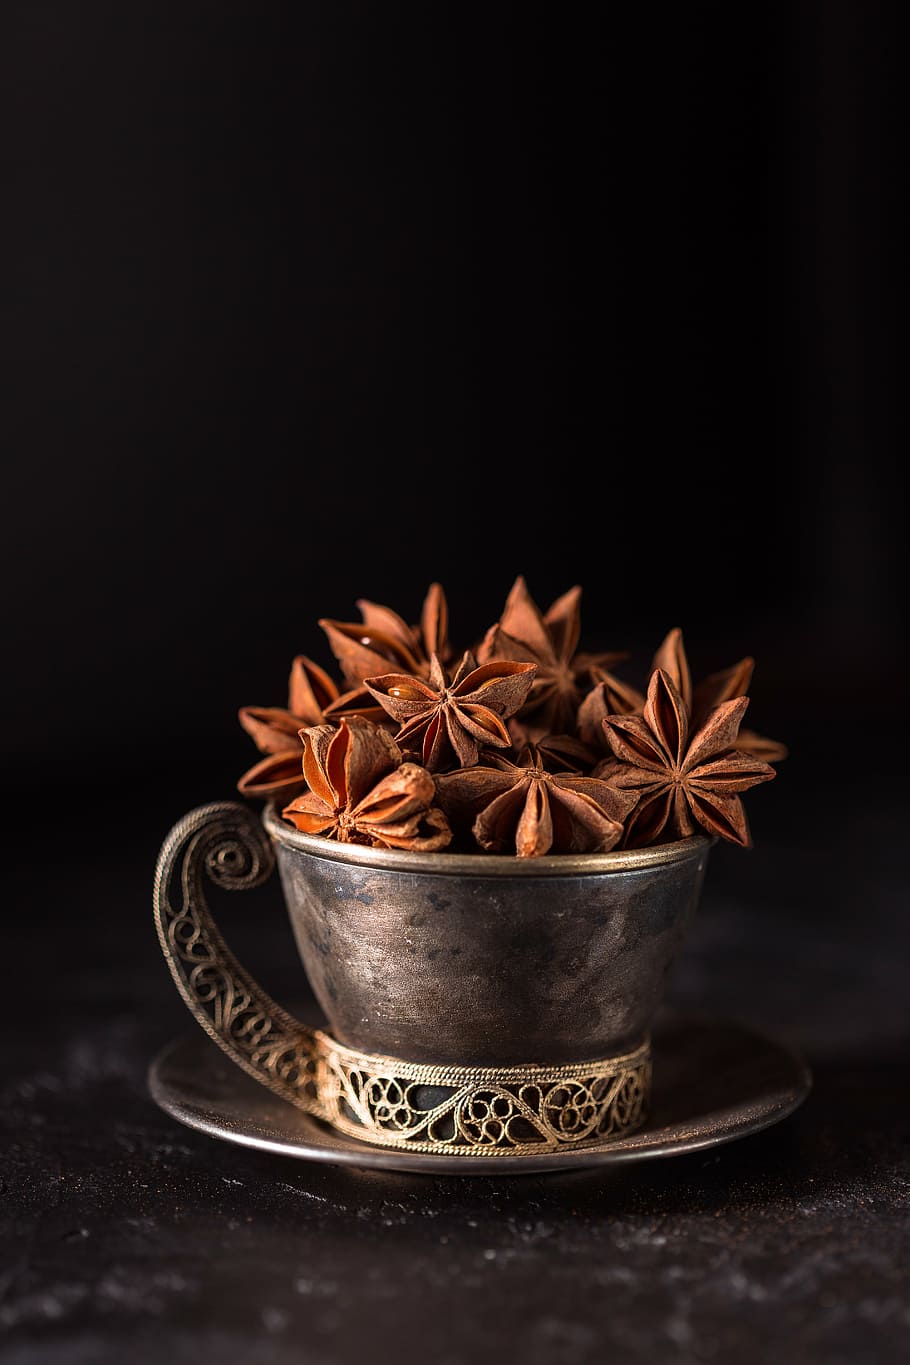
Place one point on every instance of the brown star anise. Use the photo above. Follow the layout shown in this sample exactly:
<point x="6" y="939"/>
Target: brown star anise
<point x="362" y="791"/>
<point x="276" y="731"/>
<point x="712" y="691"/>
<point x="524" y="807"/>
<point x="683" y="779"/>
<point x="367" y="647"/>
<point x="548" y="639"/>
<point x="558" y="753"/>
<point x="447" y="720"/>
<point x="611" y="696"/>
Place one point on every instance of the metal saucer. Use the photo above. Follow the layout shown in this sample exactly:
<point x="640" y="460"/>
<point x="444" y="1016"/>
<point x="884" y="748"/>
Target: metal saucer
<point x="714" y="1081"/>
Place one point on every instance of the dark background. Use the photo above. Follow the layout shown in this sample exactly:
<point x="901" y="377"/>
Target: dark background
<point x="308" y="303"/>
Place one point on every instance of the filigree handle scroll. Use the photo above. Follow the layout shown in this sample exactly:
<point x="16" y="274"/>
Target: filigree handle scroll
<point x="226" y="844"/>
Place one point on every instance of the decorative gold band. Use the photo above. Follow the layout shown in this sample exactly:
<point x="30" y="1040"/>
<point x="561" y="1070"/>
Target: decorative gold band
<point x="461" y="1110"/>
<point x="466" y="1110"/>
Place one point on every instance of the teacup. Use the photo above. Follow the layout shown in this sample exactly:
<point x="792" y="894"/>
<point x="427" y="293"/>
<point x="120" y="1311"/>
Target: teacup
<point x="472" y="1002"/>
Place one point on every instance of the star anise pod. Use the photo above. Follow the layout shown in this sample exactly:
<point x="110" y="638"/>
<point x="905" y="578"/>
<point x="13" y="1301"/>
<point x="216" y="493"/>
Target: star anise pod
<point x="362" y="791"/>
<point x="683" y="779"/>
<point x="365" y="648"/>
<point x="712" y="691"/>
<point x="276" y="731"/>
<point x="447" y="720"/>
<point x="550" y="640"/>
<point x="558" y="753"/>
<point x="358" y="702"/>
<point x="611" y="696"/>
<point x="522" y="807"/>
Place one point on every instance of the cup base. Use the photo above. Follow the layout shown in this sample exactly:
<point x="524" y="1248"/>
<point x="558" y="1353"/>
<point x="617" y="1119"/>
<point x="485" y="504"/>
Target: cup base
<point x="465" y="1111"/>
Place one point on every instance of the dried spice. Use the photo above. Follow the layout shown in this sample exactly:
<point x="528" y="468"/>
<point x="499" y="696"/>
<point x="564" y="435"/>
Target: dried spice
<point x="521" y="743"/>
<point x="276" y="731"/>
<point x="712" y="691"/>
<point x="550" y="640"/>
<point x="382" y="637"/>
<point x="611" y="696"/>
<point x="557" y="753"/>
<point x="361" y="791"/>
<point x="523" y="808"/>
<point x="447" y="720"/>
<point x="682" y="779"/>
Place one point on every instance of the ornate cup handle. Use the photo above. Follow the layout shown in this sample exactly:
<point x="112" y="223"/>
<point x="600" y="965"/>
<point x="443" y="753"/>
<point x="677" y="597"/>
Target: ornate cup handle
<point x="225" y="842"/>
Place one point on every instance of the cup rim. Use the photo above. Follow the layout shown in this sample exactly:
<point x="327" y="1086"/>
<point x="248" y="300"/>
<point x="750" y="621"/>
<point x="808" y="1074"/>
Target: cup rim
<point x="487" y="864"/>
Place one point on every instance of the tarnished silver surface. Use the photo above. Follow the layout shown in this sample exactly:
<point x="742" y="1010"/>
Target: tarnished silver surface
<point x="481" y="960"/>
<point x="714" y="1081"/>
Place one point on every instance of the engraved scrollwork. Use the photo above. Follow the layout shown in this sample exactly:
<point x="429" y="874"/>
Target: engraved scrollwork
<point x="225" y="843"/>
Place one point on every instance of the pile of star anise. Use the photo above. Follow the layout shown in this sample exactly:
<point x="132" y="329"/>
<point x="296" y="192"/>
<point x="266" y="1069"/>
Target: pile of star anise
<point x="520" y="744"/>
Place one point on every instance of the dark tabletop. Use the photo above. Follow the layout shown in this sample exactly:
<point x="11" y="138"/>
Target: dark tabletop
<point x="127" y="1236"/>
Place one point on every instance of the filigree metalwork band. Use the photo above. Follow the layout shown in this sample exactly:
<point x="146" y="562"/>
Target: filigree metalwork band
<point x="521" y="1110"/>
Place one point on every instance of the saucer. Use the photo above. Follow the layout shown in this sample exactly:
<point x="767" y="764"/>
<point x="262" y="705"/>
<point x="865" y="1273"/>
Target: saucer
<point x="713" y="1081"/>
